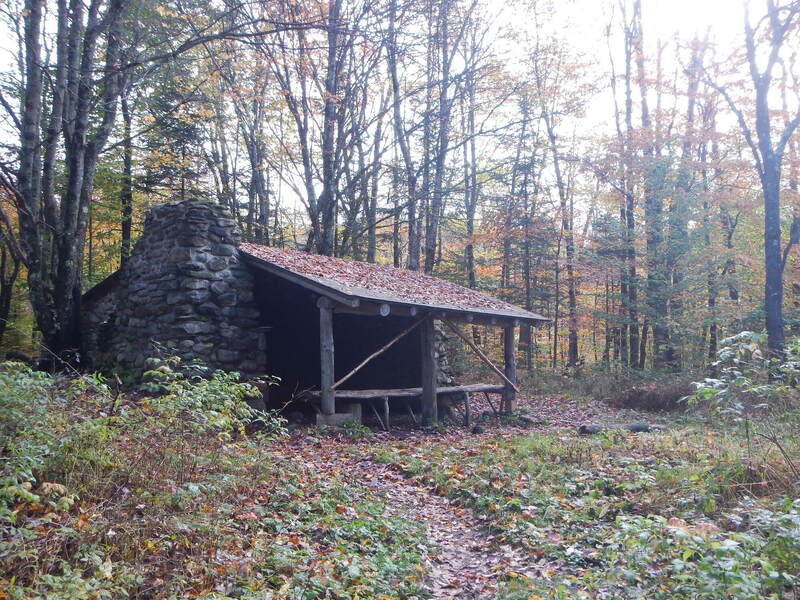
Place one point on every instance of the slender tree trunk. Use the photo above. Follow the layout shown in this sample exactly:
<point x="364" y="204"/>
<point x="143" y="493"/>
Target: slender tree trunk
<point x="126" y="191"/>
<point x="327" y="201"/>
<point x="653" y="197"/>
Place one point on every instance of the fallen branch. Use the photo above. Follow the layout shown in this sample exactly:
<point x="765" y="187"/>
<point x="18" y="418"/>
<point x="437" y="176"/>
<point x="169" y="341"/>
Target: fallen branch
<point x="633" y="428"/>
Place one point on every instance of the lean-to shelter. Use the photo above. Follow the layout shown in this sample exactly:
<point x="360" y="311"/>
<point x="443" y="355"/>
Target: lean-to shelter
<point x="337" y="332"/>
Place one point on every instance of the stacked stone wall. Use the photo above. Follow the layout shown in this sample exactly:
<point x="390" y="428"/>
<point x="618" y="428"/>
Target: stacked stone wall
<point x="445" y="375"/>
<point x="183" y="292"/>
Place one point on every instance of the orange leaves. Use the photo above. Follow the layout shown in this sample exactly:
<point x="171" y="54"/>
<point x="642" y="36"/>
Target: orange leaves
<point x="82" y="521"/>
<point x="247" y="516"/>
<point x="704" y="530"/>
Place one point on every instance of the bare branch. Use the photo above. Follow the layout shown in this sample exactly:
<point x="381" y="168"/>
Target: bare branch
<point x="745" y="128"/>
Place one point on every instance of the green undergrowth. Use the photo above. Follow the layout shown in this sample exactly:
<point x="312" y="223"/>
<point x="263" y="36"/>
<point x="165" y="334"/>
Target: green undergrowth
<point x="688" y="513"/>
<point x="178" y="496"/>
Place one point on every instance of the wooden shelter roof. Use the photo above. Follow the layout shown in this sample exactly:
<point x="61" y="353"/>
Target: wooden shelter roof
<point x="351" y="281"/>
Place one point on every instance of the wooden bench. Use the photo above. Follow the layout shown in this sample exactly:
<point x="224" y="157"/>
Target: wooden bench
<point x="372" y="396"/>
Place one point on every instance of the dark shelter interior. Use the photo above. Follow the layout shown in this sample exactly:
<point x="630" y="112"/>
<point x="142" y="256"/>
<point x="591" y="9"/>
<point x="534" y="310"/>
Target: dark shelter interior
<point x="290" y="313"/>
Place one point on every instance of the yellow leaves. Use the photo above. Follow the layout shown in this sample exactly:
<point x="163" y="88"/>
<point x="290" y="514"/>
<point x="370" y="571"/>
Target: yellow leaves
<point x="205" y="113"/>
<point x="676" y="522"/>
<point x="52" y="488"/>
<point x="165" y="12"/>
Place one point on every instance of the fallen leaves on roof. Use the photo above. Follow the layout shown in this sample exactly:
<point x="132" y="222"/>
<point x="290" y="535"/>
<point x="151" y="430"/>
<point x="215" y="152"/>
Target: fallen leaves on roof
<point x="383" y="283"/>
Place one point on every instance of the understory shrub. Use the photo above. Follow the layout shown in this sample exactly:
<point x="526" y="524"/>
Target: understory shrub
<point x="180" y="492"/>
<point x="758" y="393"/>
<point x="704" y="562"/>
<point x="618" y="386"/>
<point x="76" y="457"/>
<point x="666" y="394"/>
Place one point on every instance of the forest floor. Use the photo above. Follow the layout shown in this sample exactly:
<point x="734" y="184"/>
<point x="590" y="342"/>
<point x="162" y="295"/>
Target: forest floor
<point x="463" y="559"/>
<point x="466" y="558"/>
<point x="527" y="508"/>
<point x="109" y="496"/>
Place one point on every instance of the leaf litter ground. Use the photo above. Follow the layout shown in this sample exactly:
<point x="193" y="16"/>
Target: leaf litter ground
<point x="464" y="558"/>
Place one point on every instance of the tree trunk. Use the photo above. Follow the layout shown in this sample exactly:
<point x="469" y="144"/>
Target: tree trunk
<point x="126" y="191"/>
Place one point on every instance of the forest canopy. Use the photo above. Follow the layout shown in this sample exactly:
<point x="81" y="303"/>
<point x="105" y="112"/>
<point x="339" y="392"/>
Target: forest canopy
<point x="642" y="193"/>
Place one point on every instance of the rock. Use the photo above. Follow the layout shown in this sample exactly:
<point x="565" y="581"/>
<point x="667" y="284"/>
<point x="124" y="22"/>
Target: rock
<point x="589" y="429"/>
<point x="197" y="296"/>
<point x="208" y="309"/>
<point x="477" y="429"/>
<point x="175" y="298"/>
<point x="192" y="241"/>
<point x="195" y="327"/>
<point x="216" y="263"/>
<point x="179" y="255"/>
<point x="228" y="299"/>
<point x="221" y="232"/>
<point x="219" y="287"/>
<point x="195" y="284"/>
<point x="223" y="250"/>
<point x="190" y="266"/>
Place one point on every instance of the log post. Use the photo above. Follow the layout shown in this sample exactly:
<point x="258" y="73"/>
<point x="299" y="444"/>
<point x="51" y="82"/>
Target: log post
<point x="327" y="394"/>
<point x="429" y="368"/>
<point x="510" y="359"/>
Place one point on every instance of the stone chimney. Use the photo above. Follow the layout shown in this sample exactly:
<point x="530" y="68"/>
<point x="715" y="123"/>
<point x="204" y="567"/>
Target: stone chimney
<point x="183" y="292"/>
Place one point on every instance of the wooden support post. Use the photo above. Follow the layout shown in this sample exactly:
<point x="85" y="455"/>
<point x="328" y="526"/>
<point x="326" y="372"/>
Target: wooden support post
<point x="327" y="394"/>
<point x="429" y="369"/>
<point x="467" y="413"/>
<point x="386" y="412"/>
<point x="510" y="359"/>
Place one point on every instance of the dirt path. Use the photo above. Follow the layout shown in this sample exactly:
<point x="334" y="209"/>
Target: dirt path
<point x="464" y="560"/>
